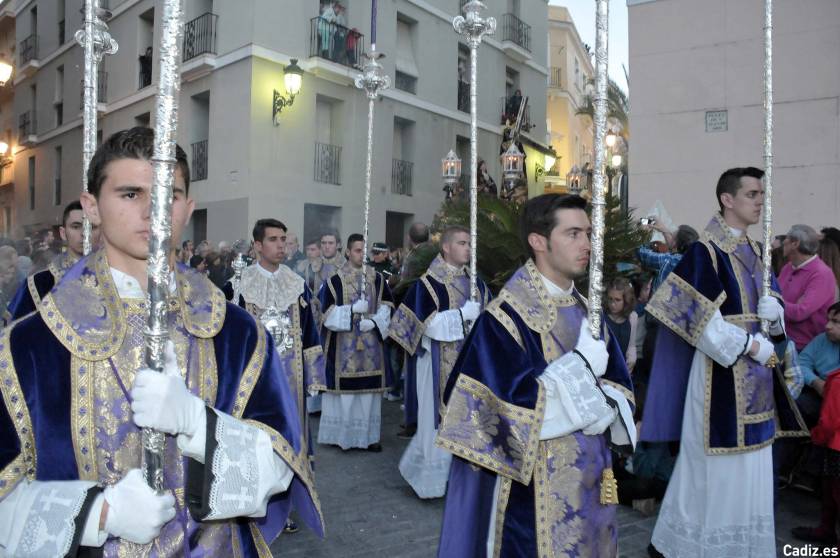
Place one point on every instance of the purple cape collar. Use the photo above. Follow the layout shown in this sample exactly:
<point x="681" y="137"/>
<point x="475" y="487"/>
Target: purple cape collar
<point x="85" y="313"/>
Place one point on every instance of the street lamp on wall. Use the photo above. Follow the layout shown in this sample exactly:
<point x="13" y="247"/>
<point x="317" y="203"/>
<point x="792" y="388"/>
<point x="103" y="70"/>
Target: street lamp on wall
<point x="292" y="78"/>
<point x="5" y="71"/>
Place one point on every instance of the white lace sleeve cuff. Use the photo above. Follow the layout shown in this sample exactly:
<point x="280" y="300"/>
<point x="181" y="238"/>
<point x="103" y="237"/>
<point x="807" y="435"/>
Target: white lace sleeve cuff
<point x="722" y="341"/>
<point x="47" y="518"/>
<point x="446" y="326"/>
<point x="339" y="318"/>
<point x="382" y="319"/>
<point x="573" y="400"/>
<point x="241" y="471"/>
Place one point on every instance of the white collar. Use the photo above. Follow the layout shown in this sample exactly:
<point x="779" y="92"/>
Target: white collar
<point x="737" y="233"/>
<point x="555" y="289"/>
<point x="128" y="287"/>
<point x="267" y="273"/>
<point x="806" y="262"/>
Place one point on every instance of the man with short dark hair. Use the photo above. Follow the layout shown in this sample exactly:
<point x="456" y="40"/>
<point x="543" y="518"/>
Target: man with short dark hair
<point x="807" y="285"/>
<point x="712" y="386"/>
<point x="277" y="296"/>
<point x="29" y="294"/>
<point x="528" y="405"/>
<point x="431" y="325"/>
<point x="310" y="267"/>
<point x="77" y="392"/>
<point x="356" y="304"/>
<point x="331" y="258"/>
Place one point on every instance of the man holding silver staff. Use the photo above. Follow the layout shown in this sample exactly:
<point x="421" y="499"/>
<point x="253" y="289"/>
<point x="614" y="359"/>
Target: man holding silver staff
<point x="272" y="292"/>
<point x="76" y="392"/>
<point x="431" y="325"/>
<point x="38" y="285"/>
<point x="357" y="314"/>
<point x="280" y="299"/>
<point x="533" y="405"/>
<point x="713" y="386"/>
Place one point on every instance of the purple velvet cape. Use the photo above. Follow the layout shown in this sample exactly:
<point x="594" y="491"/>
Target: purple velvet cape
<point x="37" y="439"/>
<point x="493" y="416"/>
<point x="720" y="272"/>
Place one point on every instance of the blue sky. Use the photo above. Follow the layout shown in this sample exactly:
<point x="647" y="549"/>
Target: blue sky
<point x="583" y="14"/>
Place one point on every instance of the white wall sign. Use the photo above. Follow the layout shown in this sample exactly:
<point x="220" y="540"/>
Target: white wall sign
<point x="717" y="120"/>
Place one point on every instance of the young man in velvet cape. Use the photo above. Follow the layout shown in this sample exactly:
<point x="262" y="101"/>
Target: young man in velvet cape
<point x="39" y="284"/>
<point x="76" y="393"/>
<point x="533" y="406"/>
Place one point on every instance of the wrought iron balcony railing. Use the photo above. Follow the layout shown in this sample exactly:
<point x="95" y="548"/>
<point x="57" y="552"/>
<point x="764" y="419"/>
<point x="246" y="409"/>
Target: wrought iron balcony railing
<point x="199" y="160"/>
<point x="335" y="42"/>
<point x="517" y="31"/>
<point x="200" y="36"/>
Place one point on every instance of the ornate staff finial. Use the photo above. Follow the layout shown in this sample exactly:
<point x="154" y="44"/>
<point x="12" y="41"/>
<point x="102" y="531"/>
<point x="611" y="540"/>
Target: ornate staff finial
<point x="372" y="81"/>
<point x="96" y="42"/>
<point x="474" y="27"/>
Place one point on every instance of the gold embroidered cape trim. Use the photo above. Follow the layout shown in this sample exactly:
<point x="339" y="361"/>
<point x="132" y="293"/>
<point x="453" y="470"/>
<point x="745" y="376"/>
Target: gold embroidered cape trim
<point x="93" y="298"/>
<point x="33" y="289"/>
<point x="398" y="330"/>
<point x="667" y="307"/>
<point x="251" y="374"/>
<point x="531" y="300"/>
<point x="474" y="449"/>
<point x="310" y="359"/>
<point x="26" y="461"/>
<point x="82" y="416"/>
<point x="494" y="308"/>
<point x="718" y="232"/>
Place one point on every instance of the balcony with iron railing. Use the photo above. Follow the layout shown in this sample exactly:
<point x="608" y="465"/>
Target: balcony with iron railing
<point x="401" y="177"/>
<point x="555" y="78"/>
<point x="509" y="108"/>
<point x="516" y="31"/>
<point x="327" y="163"/>
<point x="335" y="42"/>
<point x="200" y="36"/>
<point x="26" y="126"/>
<point x="101" y="89"/>
<point x="28" y="55"/>
<point x="199" y="161"/>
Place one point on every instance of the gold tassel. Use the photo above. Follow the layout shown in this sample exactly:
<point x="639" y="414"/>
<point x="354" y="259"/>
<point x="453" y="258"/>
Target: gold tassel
<point x="609" y="487"/>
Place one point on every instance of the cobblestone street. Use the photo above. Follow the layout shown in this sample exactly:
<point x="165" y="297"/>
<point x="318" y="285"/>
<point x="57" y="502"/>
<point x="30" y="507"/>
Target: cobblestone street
<point x="370" y="511"/>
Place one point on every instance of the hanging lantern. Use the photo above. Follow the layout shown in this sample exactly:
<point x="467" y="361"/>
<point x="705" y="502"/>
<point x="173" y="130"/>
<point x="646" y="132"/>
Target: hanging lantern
<point x="450" y="172"/>
<point x="512" y="160"/>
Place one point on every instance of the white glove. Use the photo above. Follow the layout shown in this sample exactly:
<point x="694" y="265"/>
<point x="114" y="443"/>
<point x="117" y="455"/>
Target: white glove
<point x="162" y="400"/>
<point x="360" y="306"/>
<point x="593" y="350"/>
<point x="603" y="422"/>
<point x="366" y="325"/>
<point x="135" y="512"/>
<point x="470" y="310"/>
<point x="769" y="309"/>
<point x="765" y="349"/>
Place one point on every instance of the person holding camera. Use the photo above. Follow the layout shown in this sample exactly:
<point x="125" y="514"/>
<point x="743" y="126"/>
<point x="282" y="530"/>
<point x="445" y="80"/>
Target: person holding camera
<point x="664" y="262"/>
